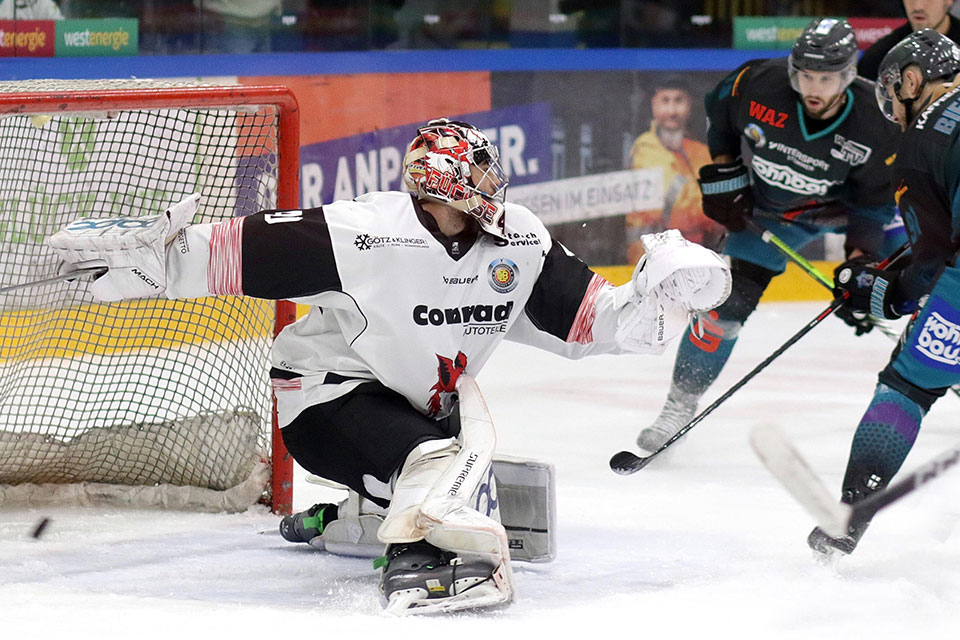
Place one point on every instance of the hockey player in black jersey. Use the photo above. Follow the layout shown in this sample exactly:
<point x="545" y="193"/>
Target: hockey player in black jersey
<point x="820" y="152"/>
<point x="409" y="295"/>
<point x="917" y="88"/>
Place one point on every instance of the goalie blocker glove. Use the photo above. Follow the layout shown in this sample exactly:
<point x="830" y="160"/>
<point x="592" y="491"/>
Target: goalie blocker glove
<point x="871" y="290"/>
<point x="727" y="197"/>
<point x="132" y="250"/>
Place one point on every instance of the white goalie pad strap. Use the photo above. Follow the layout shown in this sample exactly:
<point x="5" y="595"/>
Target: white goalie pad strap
<point x="133" y="250"/>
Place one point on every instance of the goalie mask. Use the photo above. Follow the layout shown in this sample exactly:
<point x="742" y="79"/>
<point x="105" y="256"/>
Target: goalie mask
<point x="456" y="164"/>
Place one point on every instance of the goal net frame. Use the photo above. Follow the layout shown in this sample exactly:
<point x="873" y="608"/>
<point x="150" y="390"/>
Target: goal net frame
<point x="124" y="95"/>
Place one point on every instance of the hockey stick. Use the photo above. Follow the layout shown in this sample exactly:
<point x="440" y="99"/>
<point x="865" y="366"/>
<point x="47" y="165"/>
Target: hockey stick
<point x="818" y="275"/>
<point x="626" y="462"/>
<point x="76" y="274"/>
<point x="812" y="271"/>
<point x="792" y="471"/>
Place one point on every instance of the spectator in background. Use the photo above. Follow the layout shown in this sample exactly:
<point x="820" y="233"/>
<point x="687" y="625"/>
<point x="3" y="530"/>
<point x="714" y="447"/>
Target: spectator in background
<point x="237" y="26"/>
<point x="921" y="14"/>
<point x="666" y="145"/>
<point x="29" y="10"/>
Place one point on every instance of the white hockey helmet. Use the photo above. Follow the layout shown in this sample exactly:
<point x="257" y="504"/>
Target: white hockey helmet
<point x="438" y="166"/>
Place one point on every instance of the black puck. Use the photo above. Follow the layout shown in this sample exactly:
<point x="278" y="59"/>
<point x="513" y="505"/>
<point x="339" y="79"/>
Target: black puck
<point x="41" y="527"/>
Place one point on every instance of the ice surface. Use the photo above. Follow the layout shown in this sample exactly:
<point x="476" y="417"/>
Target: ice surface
<point x="702" y="544"/>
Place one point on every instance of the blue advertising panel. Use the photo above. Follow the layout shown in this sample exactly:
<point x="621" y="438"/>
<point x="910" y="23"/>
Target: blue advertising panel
<point x="343" y="168"/>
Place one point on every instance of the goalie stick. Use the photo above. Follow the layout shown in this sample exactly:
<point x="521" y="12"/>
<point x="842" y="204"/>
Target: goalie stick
<point x="627" y="463"/>
<point x="76" y="274"/>
<point x="787" y="465"/>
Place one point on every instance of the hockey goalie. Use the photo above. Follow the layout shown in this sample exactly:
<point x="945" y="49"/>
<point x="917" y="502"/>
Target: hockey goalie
<point x="409" y="293"/>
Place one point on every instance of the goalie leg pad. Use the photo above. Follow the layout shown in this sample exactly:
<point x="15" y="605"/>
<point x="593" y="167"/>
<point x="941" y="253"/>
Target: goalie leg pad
<point x="354" y="532"/>
<point x="448" y="518"/>
<point x="526" y="491"/>
<point x="525" y="494"/>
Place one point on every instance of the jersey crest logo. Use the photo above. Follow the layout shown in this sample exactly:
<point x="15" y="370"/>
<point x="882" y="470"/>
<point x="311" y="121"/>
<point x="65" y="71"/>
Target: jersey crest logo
<point x="503" y="275"/>
<point x="448" y="371"/>
<point x="765" y="114"/>
<point x="754" y="132"/>
<point x="849" y="151"/>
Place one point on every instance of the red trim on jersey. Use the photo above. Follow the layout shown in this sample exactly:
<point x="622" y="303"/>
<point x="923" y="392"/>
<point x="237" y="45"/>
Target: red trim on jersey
<point x="582" y="329"/>
<point x="280" y="385"/>
<point x="224" y="269"/>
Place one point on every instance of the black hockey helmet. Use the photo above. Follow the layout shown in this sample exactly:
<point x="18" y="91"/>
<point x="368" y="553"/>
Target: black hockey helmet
<point x="936" y="55"/>
<point x="825" y="45"/>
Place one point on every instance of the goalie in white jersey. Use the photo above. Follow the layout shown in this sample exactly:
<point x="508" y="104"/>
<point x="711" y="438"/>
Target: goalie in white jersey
<point x="409" y="295"/>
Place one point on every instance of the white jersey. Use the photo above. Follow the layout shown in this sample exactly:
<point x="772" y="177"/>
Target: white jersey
<point x="394" y="300"/>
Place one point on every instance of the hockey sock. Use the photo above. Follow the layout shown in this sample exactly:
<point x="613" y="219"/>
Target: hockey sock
<point x="700" y="358"/>
<point x="883" y="439"/>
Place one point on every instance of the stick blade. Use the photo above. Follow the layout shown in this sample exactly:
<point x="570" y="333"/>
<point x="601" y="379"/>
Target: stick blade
<point x="787" y="465"/>
<point x="626" y="463"/>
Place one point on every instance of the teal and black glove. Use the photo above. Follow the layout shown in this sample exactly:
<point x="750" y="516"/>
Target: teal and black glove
<point x="727" y="197"/>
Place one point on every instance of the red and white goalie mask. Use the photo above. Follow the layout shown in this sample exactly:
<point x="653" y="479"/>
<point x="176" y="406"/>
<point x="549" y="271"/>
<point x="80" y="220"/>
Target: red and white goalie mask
<point x="454" y="163"/>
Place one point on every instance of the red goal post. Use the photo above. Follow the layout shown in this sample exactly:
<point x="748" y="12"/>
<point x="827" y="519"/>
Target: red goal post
<point x="146" y="402"/>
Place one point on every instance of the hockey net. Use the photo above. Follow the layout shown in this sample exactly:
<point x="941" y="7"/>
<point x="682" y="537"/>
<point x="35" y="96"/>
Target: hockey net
<point x="150" y="403"/>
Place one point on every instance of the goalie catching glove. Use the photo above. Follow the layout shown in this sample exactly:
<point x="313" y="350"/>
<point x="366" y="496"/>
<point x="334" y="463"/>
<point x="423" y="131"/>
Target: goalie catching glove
<point x="132" y="250"/>
<point x="673" y="279"/>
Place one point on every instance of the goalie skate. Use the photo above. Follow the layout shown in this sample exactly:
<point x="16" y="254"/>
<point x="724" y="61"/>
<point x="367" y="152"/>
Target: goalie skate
<point x="421" y="578"/>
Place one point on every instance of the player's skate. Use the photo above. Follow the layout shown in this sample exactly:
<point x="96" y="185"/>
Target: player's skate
<point x="677" y="412"/>
<point x="341" y="529"/>
<point x="423" y="578"/>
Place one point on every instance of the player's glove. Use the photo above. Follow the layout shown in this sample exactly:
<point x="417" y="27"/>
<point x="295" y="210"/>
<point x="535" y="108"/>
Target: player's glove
<point x="727" y="197"/>
<point x="860" y="320"/>
<point x="872" y="291"/>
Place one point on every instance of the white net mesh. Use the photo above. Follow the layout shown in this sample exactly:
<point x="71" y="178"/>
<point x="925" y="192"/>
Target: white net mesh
<point x="148" y="394"/>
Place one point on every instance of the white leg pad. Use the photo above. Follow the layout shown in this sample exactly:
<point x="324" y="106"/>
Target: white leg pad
<point x="447" y="514"/>
<point x="420" y="472"/>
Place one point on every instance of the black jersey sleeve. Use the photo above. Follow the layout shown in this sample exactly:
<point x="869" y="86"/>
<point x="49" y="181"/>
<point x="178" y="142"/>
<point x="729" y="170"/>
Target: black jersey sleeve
<point x="287" y="254"/>
<point x="723" y="134"/>
<point x="926" y="210"/>
<point x="559" y="293"/>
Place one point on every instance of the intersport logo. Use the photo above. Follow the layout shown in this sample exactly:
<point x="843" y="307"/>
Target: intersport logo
<point x="787" y="178"/>
<point x="939" y="340"/>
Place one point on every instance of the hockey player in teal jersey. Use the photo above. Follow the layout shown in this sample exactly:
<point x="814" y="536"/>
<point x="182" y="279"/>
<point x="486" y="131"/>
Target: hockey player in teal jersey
<point x="917" y="89"/>
<point x="820" y="162"/>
